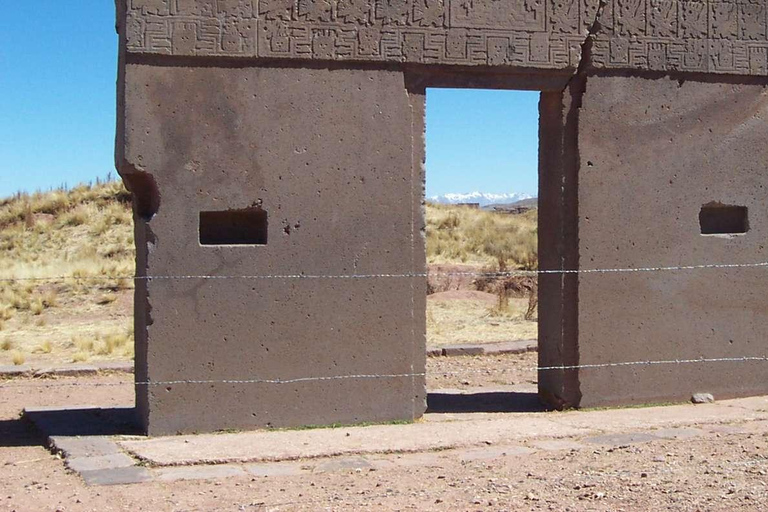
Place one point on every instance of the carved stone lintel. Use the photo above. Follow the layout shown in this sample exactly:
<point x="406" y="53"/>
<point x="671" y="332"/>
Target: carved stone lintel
<point x="715" y="36"/>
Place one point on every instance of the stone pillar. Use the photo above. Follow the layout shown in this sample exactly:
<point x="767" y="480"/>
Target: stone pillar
<point x="660" y="161"/>
<point x="274" y="173"/>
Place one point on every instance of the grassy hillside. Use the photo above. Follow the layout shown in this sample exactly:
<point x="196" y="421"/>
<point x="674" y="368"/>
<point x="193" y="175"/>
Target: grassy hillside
<point x="88" y="232"/>
<point x="458" y="234"/>
<point x="83" y="232"/>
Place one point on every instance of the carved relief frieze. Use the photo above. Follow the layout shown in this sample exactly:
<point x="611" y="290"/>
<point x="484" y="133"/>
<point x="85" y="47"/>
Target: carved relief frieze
<point x="723" y="36"/>
<point x="709" y="36"/>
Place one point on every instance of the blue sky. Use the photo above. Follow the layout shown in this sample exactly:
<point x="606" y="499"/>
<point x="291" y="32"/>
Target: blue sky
<point x="57" y="110"/>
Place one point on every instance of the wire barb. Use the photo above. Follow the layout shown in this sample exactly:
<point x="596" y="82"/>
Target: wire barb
<point x="301" y="380"/>
<point x="404" y="275"/>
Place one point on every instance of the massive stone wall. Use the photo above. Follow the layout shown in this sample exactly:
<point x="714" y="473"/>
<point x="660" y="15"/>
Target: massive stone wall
<point x="222" y="113"/>
<point x="718" y="36"/>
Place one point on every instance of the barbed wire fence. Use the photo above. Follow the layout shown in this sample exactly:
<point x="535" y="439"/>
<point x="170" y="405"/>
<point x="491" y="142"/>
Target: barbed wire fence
<point x="404" y="275"/>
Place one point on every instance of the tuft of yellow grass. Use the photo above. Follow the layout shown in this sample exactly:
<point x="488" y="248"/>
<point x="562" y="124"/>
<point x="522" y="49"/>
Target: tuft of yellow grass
<point x="83" y="344"/>
<point x="45" y="347"/>
<point x="6" y="313"/>
<point x="80" y="357"/>
<point x="18" y="358"/>
<point x="107" y="298"/>
<point x="458" y="234"/>
<point x="6" y="344"/>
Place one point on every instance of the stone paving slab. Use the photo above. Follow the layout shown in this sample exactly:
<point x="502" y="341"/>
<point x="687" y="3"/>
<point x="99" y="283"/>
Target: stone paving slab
<point x="83" y="447"/>
<point x="342" y="465"/>
<point x="117" y="476"/>
<point x="113" y="461"/>
<point x="15" y="371"/>
<point x="277" y="469"/>
<point x="66" y="370"/>
<point x="556" y="445"/>
<point x="463" y="432"/>
<point x="198" y="473"/>
<point x="435" y="441"/>
<point x="479" y="349"/>
<point x="308" y="444"/>
<point x="623" y="439"/>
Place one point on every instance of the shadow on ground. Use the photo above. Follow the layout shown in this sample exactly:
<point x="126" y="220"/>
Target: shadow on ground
<point x="85" y="422"/>
<point x="483" y="402"/>
<point x="17" y="433"/>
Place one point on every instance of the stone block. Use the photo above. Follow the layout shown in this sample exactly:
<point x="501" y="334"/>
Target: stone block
<point x="84" y="447"/>
<point x="352" y="349"/>
<point x="464" y="350"/>
<point x="198" y="473"/>
<point x="101" y="462"/>
<point x="117" y="476"/>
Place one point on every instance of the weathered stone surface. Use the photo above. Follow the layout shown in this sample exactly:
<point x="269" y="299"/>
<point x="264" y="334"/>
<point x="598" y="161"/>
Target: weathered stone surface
<point x="342" y="465"/>
<point x="716" y="36"/>
<point x="521" y="33"/>
<point x="276" y="469"/>
<point x="84" y="447"/>
<point x="298" y="185"/>
<point x="113" y="461"/>
<point x="622" y="439"/>
<point x="491" y="453"/>
<point x="652" y="152"/>
<point x="702" y="398"/>
<point x="14" y="371"/>
<point x="297" y="155"/>
<point x="463" y="350"/>
<point x="73" y="370"/>
<point x="198" y="473"/>
<point x="117" y="476"/>
<point x="477" y="349"/>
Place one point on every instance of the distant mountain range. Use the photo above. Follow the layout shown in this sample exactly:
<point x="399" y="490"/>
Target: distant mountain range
<point x="482" y="198"/>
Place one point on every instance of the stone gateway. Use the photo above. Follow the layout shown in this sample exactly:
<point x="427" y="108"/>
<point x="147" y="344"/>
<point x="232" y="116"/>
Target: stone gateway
<point x="278" y="146"/>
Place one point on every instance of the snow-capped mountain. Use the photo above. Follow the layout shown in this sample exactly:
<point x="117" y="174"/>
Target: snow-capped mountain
<point x="482" y="198"/>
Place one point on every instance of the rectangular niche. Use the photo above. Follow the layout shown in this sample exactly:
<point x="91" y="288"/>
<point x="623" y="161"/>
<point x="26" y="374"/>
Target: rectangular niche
<point x="723" y="219"/>
<point x="234" y="227"/>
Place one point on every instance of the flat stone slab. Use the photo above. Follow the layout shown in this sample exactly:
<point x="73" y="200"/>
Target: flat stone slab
<point x="83" y="447"/>
<point x="66" y="370"/>
<point x="198" y="473"/>
<point x="14" y="371"/>
<point x="622" y="439"/>
<point x="112" y="461"/>
<point x="276" y="469"/>
<point x="343" y="465"/>
<point x="470" y="437"/>
<point x="464" y="431"/>
<point x="308" y="444"/>
<point x="556" y="445"/>
<point x="495" y="452"/>
<point x="118" y="476"/>
<point x="479" y="349"/>
<point x="73" y="370"/>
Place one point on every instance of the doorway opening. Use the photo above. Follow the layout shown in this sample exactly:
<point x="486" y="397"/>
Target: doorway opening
<point x="482" y="184"/>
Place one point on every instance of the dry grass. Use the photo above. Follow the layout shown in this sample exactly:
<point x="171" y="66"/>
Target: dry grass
<point x="74" y="234"/>
<point x="457" y="234"/>
<point x="468" y="321"/>
<point x="17" y="358"/>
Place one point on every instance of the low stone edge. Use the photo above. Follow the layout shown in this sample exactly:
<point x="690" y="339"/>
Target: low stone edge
<point x="71" y="370"/>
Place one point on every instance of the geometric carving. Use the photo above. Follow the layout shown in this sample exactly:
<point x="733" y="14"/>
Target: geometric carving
<point x="712" y="36"/>
<point x="720" y="36"/>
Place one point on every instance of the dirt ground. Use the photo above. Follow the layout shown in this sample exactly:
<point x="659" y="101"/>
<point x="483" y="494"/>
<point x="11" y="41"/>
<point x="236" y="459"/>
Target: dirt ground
<point x="717" y="472"/>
